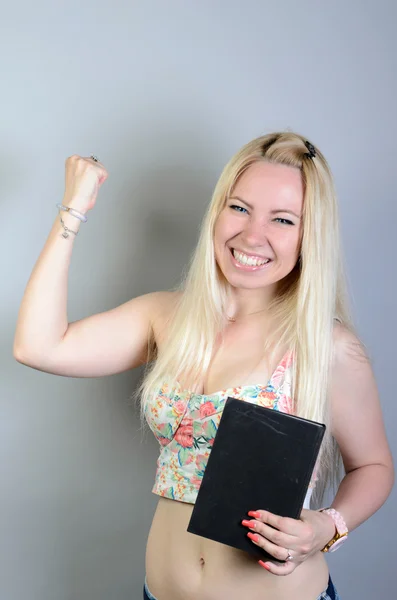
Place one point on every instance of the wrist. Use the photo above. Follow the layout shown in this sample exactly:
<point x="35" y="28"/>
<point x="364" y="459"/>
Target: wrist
<point x="69" y="220"/>
<point x="75" y="202"/>
<point x="341" y="530"/>
<point x="327" y="530"/>
<point x="70" y="211"/>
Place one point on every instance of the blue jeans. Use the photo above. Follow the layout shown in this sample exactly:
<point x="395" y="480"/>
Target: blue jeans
<point x="329" y="594"/>
<point x="146" y="593"/>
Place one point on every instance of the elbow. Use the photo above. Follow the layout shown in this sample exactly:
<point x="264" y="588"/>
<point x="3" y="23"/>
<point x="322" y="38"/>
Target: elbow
<point x="26" y="356"/>
<point x="16" y="351"/>
<point x="20" y="355"/>
<point x="390" y="469"/>
<point x="388" y="480"/>
<point x="392" y="474"/>
<point x="19" y="350"/>
<point x="37" y="358"/>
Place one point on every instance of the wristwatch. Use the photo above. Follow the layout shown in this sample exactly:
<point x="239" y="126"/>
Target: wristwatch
<point x="340" y="527"/>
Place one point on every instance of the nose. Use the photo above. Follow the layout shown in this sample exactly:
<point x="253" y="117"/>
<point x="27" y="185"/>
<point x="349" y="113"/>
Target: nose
<point x="255" y="234"/>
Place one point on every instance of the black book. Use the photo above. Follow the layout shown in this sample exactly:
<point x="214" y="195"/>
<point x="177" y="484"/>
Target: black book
<point x="261" y="459"/>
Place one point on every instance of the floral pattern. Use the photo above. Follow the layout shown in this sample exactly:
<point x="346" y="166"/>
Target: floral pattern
<point x="185" y="425"/>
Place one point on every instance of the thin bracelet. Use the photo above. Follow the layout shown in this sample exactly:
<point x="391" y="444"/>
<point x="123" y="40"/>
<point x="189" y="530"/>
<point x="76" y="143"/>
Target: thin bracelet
<point x="73" y="212"/>
<point x="67" y="230"/>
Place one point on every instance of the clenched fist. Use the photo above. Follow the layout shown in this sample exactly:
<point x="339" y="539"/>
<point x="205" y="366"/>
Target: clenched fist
<point x="83" y="178"/>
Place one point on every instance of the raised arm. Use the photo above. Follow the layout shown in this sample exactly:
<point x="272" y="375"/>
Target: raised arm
<point x="101" y="344"/>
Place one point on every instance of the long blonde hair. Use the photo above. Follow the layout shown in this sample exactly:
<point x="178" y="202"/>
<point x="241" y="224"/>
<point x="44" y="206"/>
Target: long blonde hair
<point x="307" y="303"/>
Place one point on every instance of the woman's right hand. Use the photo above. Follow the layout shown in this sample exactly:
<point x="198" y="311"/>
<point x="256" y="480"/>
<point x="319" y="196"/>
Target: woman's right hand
<point x="83" y="178"/>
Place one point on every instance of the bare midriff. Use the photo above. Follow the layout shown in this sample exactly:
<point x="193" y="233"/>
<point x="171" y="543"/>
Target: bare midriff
<point x="184" y="566"/>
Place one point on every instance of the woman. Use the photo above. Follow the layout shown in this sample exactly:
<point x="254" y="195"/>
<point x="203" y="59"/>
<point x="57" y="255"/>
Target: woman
<point x="262" y="309"/>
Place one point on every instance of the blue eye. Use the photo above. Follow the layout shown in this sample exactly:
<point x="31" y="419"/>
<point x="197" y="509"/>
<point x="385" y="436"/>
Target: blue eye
<point x="237" y="208"/>
<point x="285" y="221"/>
<point x="243" y="210"/>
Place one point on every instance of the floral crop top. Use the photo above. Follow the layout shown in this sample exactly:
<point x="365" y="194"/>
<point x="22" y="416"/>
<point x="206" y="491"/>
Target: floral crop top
<point x="185" y="424"/>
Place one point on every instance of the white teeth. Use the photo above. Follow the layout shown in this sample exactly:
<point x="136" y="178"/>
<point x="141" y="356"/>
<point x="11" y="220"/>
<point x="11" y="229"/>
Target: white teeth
<point x="243" y="259"/>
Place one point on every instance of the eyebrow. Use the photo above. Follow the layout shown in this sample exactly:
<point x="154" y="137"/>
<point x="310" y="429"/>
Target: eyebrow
<point x="273" y="212"/>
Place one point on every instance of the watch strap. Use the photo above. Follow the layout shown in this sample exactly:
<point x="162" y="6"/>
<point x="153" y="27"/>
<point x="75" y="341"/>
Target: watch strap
<point x="340" y="527"/>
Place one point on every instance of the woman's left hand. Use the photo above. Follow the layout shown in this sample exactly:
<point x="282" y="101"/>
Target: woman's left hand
<point x="282" y="537"/>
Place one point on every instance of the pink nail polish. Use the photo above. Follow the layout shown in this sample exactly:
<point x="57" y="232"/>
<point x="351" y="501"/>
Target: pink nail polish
<point x="264" y="565"/>
<point x="250" y="524"/>
<point x="254" y="513"/>
<point x="253" y="536"/>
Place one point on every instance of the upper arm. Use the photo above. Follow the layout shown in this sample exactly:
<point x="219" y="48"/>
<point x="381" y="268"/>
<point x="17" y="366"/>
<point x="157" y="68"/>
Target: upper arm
<point x="356" y="416"/>
<point x="106" y="343"/>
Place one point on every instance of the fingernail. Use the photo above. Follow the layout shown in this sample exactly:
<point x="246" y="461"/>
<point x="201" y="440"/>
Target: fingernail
<point x="254" y="513"/>
<point x="264" y="565"/>
<point x="253" y="536"/>
<point x="250" y="524"/>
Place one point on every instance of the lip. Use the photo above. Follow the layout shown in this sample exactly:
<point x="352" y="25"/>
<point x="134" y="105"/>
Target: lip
<point x="248" y="268"/>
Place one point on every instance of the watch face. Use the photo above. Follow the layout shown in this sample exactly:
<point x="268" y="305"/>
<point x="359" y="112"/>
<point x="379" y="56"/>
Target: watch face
<point x="337" y="544"/>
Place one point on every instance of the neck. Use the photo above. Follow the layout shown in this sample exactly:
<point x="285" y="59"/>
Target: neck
<point x="244" y="303"/>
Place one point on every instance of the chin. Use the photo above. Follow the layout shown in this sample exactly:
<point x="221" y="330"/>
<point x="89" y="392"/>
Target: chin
<point x="241" y="281"/>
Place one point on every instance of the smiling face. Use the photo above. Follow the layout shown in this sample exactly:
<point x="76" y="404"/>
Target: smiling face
<point x="258" y="232"/>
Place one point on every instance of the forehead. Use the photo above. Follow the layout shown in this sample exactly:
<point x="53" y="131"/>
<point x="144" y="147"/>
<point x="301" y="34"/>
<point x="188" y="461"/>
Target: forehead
<point x="271" y="184"/>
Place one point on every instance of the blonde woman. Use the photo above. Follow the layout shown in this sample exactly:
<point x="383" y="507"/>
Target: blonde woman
<point x="262" y="316"/>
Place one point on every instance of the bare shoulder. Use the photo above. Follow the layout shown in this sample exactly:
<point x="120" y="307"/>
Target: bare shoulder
<point x="348" y="348"/>
<point x="352" y="383"/>
<point x="162" y="303"/>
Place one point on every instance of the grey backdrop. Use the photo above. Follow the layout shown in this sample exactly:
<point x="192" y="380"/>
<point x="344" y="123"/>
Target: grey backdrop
<point x="165" y="93"/>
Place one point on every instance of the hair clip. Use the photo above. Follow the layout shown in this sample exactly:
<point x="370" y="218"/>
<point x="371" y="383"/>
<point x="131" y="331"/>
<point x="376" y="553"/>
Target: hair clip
<point x="311" y="148"/>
